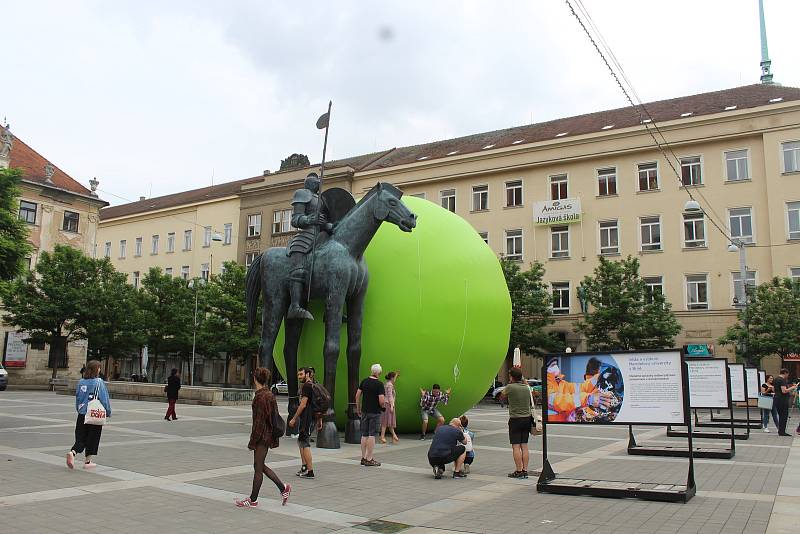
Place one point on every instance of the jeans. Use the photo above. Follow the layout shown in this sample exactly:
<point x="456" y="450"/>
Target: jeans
<point x="765" y="417"/>
<point x="783" y="417"/>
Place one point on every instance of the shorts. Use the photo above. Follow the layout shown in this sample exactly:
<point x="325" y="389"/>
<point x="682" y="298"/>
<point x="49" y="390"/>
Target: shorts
<point x="435" y="413"/>
<point x="441" y="461"/>
<point x="370" y="424"/>
<point x="305" y="426"/>
<point x="469" y="459"/>
<point x="519" y="430"/>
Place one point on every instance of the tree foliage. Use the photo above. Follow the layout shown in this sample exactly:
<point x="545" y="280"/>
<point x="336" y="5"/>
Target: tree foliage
<point x="14" y="247"/>
<point x="531" y="309"/>
<point x="770" y="324"/>
<point x="624" y="315"/>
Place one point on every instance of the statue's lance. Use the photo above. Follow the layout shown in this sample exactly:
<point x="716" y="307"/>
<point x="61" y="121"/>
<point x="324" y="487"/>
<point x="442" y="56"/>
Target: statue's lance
<point x="322" y="122"/>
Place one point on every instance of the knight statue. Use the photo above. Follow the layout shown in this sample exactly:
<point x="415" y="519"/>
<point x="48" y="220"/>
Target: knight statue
<point x="311" y="216"/>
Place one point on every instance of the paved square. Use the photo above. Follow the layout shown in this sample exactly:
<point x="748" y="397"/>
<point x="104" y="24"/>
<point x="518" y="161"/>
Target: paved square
<point x="158" y="476"/>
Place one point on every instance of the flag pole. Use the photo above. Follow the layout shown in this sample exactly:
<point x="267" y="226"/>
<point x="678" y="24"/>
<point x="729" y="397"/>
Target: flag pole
<point x="320" y="122"/>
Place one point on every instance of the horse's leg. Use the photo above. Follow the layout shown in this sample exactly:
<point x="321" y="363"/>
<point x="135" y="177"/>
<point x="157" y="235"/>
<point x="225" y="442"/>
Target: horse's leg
<point x="275" y="305"/>
<point x="355" y="315"/>
<point x="292" y="330"/>
<point x="328" y="437"/>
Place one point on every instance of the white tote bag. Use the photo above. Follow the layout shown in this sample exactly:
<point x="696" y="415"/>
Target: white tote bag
<point x="95" y="411"/>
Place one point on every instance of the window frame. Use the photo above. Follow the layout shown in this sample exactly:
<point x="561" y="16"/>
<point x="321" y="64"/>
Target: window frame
<point x="600" y="229"/>
<point x="700" y="166"/>
<point x="27" y="211"/>
<point x="450" y="196"/>
<point x="639" y="177"/>
<point x="206" y="236"/>
<point x="642" y="225"/>
<point x="649" y="285"/>
<point x="510" y="186"/>
<point x="107" y="249"/>
<point x="154" y="244"/>
<point x="188" y="240"/>
<point x="553" y="179"/>
<point x="480" y="197"/>
<point x="561" y="310"/>
<point x="686" y="243"/>
<point x="254" y="223"/>
<point x="518" y="254"/>
<point x="227" y="236"/>
<point x="123" y="248"/>
<point x="686" y="283"/>
<point x="136" y="275"/>
<point x="599" y="176"/>
<point x="791" y="273"/>
<point x="796" y="156"/>
<point x="76" y="219"/>
<point x="170" y="242"/>
<point x="747" y="165"/>
<point x="752" y="238"/>
<point x="484" y="236"/>
<point x="281" y="221"/>
<point x="562" y="253"/>
<point x="186" y="272"/>
<point x="732" y="286"/>
<point x="421" y="195"/>
<point x="249" y="258"/>
<point x="137" y="247"/>
<point x="205" y="271"/>
<point x="168" y="271"/>
<point x="789" y="236"/>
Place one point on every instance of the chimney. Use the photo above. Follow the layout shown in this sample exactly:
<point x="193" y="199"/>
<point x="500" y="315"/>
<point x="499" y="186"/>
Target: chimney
<point x="141" y="198"/>
<point x="266" y="172"/>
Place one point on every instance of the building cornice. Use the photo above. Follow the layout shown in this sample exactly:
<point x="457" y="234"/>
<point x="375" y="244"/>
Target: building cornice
<point x="166" y="212"/>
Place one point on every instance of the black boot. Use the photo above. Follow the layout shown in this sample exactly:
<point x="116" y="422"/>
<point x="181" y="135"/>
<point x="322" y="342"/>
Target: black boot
<point x="295" y="310"/>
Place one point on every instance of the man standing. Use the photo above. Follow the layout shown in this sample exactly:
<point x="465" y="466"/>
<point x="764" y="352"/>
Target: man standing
<point x="518" y="395"/>
<point x="428" y="402"/>
<point x="783" y="393"/>
<point x="172" y="388"/>
<point x="370" y="400"/>
<point x="305" y="417"/>
<point x="445" y="448"/>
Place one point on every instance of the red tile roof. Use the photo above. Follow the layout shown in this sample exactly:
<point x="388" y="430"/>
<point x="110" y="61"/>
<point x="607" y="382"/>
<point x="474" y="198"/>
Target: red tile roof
<point x="32" y="164"/>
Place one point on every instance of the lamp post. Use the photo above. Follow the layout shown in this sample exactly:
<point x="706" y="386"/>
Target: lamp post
<point x="216" y="236"/>
<point x="738" y="245"/>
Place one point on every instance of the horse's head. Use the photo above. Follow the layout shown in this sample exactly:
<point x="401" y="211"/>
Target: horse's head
<point x="389" y="207"/>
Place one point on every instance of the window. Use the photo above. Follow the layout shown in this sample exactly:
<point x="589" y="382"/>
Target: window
<point x="135" y="279"/>
<point x="107" y="253"/>
<point x="185" y="272"/>
<point x="480" y="197"/>
<point x="154" y="245"/>
<point x="607" y="182"/>
<point x="513" y="245"/>
<point x="70" y="221"/>
<point x="560" y="298"/>
<point x="206" y="236"/>
<point x="691" y="171"/>
<point x="741" y="222"/>
<point x="171" y="242"/>
<point x="648" y="176"/>
<point x="697" y="291"/>
<point x="27" y="212"/>
<point x="123" y="248"/>
<point x="227" y="237"/>
<point x="793" y="213"/>
<point x="137" y="251"/>
<point x="794" y="273"/>
<point x="418" y="195"/>
<point x="653" y="285"/>
<point x="650" y="229"/>
<point x="448" y="197"/>
<point x="281" y="221"/>
<point x="484" y="236"/>
<point x="736" y="165"/>
<point x="559" y="241"/>
<point x="609" y="237"/>
<point x="558" y="187"/>
<point x="28" y="263"/>
<point x="187" y="240"/>
<point x="249" y="258"/>
<point x="738" y="289"/>
<point x="168" y="271"/>
<point x="204" y="272"/>
<point x="514" y="193"/>
<point x="694" y="230"/>
<point x="254" y="224"/>
<point x="791" y="156"/>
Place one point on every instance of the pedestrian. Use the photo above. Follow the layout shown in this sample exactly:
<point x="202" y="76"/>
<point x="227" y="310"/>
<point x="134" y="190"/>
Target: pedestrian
<point x="171" y="389"/>
<point x="262" y="439"/>
<point x="429" y="400"/>
<point x="469" y="435"/>
<point x="518" y="395"/>
<point x="389" y="418"/>
<point x="370" y="400"/>
<point x="448" y="446"/>
<point x="303" y="421"/>
<point x="87" y="436"/>
<point x="768" y="390"/>
<point x="783" y="394"/>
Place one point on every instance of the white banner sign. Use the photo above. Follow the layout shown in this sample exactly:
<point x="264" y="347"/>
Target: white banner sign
<point x="752" y="382"/>
<point x="736" y="370"/>
<point x="618" y="388"/>
<point x="564" y="211"/>
<point x="708" y="385"/>
<point x="762" y="379"/>
<point x="16" y="350"/>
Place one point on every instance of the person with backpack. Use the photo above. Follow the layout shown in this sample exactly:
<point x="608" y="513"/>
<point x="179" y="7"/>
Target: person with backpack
<point x="265" y="434"/>
<point x="93" y="406"/>
<point x="305" y="417"/>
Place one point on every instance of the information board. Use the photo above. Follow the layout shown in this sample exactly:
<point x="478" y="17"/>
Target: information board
<point x="15" y="351"/>
<point x="736" y="371"/>
<point x="708" y="384"/>
<point x="751" y="373"/>
<point x="616" y="388"/>
<point x="762" y="379"/>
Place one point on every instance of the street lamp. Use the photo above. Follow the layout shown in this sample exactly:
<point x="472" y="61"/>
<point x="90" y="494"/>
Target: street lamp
<point x="738" y="245"/>
<point x="194" y="326"/>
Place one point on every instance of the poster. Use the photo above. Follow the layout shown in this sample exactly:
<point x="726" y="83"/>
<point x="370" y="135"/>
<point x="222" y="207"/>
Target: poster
<point x="616" y="388"/>
<point x="708" y="385"/>
<point x="736" y="370"/>
<point x="15" y="352"/>
<point x="762" y="379"/>
<point x="752" y="382"/>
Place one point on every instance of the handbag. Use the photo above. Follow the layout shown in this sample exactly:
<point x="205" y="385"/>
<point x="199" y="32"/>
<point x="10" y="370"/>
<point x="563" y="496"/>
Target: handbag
<point x="536" y="421"/>
<point x="765" y="402"/>
<point x="95" y="411"/>
<point x="278" y="424"/>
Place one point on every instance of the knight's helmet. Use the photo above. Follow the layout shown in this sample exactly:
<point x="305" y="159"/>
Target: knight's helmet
<point x="312" y="182"/>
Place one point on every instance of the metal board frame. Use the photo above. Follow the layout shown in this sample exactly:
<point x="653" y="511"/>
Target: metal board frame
<point x="754" y="423"/>
<point x="746" y="423"/>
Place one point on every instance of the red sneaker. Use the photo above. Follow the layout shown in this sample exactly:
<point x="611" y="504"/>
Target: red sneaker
<point x="71" y="460"/>
<point x="287" y="490"/>
<point x="245" y="503"/>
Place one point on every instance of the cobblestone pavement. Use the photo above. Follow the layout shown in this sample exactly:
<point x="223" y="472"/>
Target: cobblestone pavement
<point x="158" y="476"/>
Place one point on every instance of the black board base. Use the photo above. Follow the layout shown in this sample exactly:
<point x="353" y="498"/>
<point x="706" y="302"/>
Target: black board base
<point x="618" y="490"/>
<point x="706" y="435"/>
<point x="682" y="452"/>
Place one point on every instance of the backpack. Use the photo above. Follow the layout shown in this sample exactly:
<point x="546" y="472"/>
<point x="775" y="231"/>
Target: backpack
<point x="321" y="400"/>
<point x="278" y="424"/>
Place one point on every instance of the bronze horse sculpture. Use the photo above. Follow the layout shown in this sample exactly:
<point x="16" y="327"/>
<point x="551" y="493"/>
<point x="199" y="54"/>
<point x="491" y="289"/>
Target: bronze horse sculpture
<point x="340" y="278"/>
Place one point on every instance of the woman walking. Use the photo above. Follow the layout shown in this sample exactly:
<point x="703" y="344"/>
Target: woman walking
<point x="262" y="440"/>
<point x="172" y="387"/>
<point x="768" y="390"/>
<point x="87" y="437"/>
<point x="389" y="416"/>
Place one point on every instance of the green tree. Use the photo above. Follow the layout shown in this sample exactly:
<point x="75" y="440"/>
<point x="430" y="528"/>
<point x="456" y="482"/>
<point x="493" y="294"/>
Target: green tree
<point x="54" y="303"/>
<point x="223" y="328"/>
<point x="531" y="309"/>
<point x="14" y="247"/>
<point x="624" y="315"/>
<point x="770" y="324"/>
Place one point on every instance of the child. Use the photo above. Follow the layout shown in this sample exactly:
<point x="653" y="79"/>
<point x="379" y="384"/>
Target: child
<point x="469" y="435"/>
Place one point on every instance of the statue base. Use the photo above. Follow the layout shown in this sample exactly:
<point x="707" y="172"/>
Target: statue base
<point x="352" y="432"/>
<point x="328" y="437"/>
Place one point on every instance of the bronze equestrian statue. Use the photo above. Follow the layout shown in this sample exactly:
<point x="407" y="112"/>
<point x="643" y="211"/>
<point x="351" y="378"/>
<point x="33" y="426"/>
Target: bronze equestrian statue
<point x="339" y="278"/>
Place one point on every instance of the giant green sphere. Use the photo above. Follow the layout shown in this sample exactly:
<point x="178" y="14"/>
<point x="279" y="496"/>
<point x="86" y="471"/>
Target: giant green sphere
<point x="437" y="310"/>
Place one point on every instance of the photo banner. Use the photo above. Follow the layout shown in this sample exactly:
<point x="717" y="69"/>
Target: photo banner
<point x="616" y="388"/>
<point x="762" y="379"/>
<point x="15" y="351"/>
<point x="708" y="385"/>
<point x="751" y="373"/>
<point x="736" y="371"/>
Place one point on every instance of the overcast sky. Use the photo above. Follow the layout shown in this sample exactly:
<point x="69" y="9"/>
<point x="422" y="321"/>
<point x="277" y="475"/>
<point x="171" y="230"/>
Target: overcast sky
<point x="158" y="97"/>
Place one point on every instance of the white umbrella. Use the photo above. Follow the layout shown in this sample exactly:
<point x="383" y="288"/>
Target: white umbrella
<point x="144" y="360"/>
<point x="517" y="361"/>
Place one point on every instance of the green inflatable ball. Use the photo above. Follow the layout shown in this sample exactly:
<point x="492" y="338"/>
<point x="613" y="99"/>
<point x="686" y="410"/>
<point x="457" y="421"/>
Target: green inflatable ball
<point x="437" y="310"/>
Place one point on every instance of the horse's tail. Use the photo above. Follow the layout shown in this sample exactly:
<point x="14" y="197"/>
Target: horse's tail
<point x="253" y="291"/>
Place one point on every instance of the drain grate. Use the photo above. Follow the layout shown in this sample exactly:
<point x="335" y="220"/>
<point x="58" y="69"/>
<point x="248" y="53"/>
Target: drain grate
<point x="384" y="527"/>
